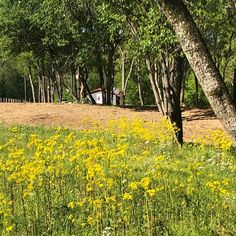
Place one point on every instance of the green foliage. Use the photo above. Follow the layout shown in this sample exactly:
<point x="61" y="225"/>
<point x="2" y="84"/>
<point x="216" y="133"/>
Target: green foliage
<point x="56" y="37"/>
<point x="132" y="97"/>
<point x="190" y="95"/>
<point x="216" y="19"/>
<point x="11" y="81"/>
<point x="155" y="33"/>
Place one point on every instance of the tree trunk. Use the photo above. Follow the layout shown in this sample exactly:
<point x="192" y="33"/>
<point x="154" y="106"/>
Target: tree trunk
<point x="125" y="78"/>
<point x="74" y="86"/>
<point x="183" y="85"/>
<point x="155" y="89"/>
<point x="51" y="90"/>
<point x="61" y="87"/>
<point x="109" y="82"/>
<point x="196" y="92"/>
<point x="202" y="63"/>
<point x="101" y="77"/>
<point x="39" y="89"/>
<point x="31" y="84"/>
<point x="43" y="93"/>
<point x="234" y="88"/>
<point x="48" y="90"/>
<point x="182" y="93"/>
<point x="140" y="91"/>
<point x="122" y="94"/>
<point x="83" y="77"/>
<point x="54" y="85"/>
<point x="168" y="105"/>
<point x="172" y="76"/>
<point x="177" y="77"/>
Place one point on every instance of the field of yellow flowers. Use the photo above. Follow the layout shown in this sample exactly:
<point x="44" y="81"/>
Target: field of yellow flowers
<point x="128" y="178"/>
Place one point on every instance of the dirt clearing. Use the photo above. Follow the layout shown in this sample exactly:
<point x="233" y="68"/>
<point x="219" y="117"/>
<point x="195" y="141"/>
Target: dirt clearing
<point x="72" y="115"/>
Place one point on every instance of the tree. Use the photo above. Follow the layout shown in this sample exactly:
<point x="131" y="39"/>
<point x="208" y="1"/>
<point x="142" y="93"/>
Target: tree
<point x="156" y="46"/>
<point x="201" y="62"/>
<point x="210" y="16"/>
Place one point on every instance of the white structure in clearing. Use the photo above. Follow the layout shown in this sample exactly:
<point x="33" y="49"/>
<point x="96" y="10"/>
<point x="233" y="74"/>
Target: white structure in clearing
<point x="97" y="95"/>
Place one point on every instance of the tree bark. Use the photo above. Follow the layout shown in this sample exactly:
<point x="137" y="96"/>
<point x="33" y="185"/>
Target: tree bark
<point x="43" y="94"/>
<point x="83" y="77"/>
<point x="55" y="84"/>
<point x="201" y="62"/>
<point x="31" y="84"/>
<point x="61" y="87"/>
<point x="125" y="78"/>
<point x="122" y="94"/>
<point x="234" y="88"/>
<point x="39" y="89"/>
<point x="176" y="79"/>
<point x="182" y="92"/>
<point x="172" y="77"/>
<point x="109" y="78"/>
<point x="196" y="92"/>
<point x="74" y="88"/>
<point x="155" y="89"/>
<point x="102" y="80"/>
<point x="140" y="91"/>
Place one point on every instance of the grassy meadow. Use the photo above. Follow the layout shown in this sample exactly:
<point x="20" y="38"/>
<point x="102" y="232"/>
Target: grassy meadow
<point x="128" y="178"/>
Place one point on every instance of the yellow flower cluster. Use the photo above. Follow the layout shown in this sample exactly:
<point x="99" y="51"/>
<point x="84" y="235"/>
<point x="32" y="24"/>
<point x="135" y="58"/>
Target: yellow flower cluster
<point x="216" y="137"/>
<point x="219" y="186"/>
<point x="129" y="177"/>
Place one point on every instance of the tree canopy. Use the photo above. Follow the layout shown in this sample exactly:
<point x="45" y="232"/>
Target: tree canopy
<point x="66" y="49"/>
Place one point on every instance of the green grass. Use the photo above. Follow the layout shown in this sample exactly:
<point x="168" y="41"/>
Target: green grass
<point x="125" y="179"/>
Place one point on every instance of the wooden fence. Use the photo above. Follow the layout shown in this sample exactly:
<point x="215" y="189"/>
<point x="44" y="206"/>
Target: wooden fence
<point x="11" y="100"/>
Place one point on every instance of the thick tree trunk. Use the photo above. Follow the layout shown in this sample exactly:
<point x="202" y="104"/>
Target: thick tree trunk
<point x="201" y="62"/>
<point x="177" y="77"/>
<point x="172" y="76"/>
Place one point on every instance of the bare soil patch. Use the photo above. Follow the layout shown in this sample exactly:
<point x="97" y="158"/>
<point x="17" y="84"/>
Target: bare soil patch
<point x="72" y="116"/>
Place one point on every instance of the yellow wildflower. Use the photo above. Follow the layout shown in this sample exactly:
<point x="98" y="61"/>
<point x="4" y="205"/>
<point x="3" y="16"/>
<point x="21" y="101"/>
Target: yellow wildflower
<point x="90" y="220"/>
<point x="71" y="205"/>
<point x="133" y="185"/>
<point x="145" y="182"/>
<point x="127" y="196"/>
<point x="151" y="192"/>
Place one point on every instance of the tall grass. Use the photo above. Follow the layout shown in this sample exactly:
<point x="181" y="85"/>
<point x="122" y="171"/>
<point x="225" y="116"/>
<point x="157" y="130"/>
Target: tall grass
<point x="129" y="178"/>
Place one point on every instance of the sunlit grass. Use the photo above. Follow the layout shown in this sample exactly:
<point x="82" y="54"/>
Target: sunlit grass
<point x="128" y="178"/>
